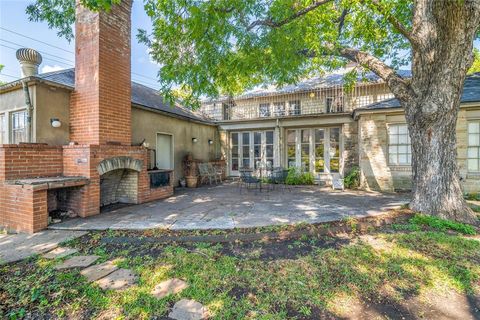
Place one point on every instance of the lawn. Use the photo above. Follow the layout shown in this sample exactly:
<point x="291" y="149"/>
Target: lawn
<point x="412" y="269"/>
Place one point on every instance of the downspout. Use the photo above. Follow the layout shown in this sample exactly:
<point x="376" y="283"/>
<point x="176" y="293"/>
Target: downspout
<point x="29" y="105"/>
<point x="29" y="60"/>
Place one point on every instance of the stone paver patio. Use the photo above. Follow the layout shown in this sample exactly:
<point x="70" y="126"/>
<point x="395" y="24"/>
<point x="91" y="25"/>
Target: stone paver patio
<point x="15" y="247"/>
<point x="225" y="207"/>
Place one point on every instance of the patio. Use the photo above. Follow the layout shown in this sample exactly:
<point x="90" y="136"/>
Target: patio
<point x="225" y="207"/>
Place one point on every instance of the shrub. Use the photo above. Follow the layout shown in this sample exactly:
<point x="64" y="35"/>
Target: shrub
<point x="352" y="179"/>
<point x="442" y="224"/>
<point x="472" y="196"/>
<point x="298" y="177"/>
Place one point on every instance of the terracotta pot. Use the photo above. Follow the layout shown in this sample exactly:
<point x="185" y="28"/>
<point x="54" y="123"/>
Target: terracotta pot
<point x="191" y="181"/>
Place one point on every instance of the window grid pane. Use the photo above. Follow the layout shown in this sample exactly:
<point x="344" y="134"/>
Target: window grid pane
<point x="3" y="129"/>
<point x="399" y="148"/>
<point x="473" y="150"/>
<point x="19" y="129"/>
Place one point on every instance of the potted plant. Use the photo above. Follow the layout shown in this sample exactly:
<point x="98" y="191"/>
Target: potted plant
<point x="190" y="171"/>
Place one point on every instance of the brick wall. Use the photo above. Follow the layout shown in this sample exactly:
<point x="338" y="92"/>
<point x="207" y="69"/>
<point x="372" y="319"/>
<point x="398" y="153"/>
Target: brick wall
<point x="23" y="208"/>
<point x="84" y="160"/>
<point x="100" y="108"/>
<point x="29" y="161"/>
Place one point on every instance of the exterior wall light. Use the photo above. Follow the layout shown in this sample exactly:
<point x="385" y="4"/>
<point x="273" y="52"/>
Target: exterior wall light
<point x="194" y="140"/>
<point x="55" y="122"/>
<point x="210" y="141"/>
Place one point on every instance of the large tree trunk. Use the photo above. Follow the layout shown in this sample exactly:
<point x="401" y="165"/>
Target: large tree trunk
<point x="436" y="181"/>
<point x="445" y="31"/>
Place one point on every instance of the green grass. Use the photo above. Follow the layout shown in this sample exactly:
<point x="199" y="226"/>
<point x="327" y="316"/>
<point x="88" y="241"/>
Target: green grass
<point x="420" y="221"/>
<point x="397" y="266"/>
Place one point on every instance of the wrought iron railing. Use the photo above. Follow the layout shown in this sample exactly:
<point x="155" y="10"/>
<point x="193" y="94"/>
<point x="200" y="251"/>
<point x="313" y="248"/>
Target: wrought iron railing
<point x="312" y="102"/>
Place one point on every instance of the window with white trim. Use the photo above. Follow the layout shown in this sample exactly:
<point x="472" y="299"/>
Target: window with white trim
<point x="399" y="146"/>
<point x="3" y="129"/>
<point x="18" y="121"/>
<point x="473" y="152"/>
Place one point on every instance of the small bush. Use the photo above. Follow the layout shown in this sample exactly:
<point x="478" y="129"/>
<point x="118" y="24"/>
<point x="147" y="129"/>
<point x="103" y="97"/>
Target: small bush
<point x="442" y="224"/>
<point x="298" y="177"/>
<point x="472" y="196"/>
<point x="352" y="179"/>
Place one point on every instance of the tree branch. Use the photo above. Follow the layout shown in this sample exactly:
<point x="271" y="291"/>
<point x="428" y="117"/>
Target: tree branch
<point x="269" y="22"/>
<point x="399" y="86"/>
<point x="396" y="23"/>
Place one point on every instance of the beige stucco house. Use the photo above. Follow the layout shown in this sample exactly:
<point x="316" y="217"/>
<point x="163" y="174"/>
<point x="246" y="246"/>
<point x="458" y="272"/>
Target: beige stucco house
<point x="168" y="130"/>
<point x="321" y="127"/>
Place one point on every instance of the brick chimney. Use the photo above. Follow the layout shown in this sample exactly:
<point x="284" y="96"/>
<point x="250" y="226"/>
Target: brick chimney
<point x="100" y="107"/>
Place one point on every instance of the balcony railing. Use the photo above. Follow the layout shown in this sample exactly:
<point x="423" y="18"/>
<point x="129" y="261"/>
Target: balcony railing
<point x="314" y="102"/>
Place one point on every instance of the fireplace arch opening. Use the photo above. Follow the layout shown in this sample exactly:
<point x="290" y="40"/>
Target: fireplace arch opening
<point x="119" y="180"/>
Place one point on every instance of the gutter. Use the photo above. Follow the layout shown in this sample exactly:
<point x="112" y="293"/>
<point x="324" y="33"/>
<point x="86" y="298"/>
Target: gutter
<point x="29" y="105"/>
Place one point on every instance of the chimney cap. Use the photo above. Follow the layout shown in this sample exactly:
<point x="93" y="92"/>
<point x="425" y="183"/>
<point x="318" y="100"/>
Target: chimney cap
<point x="29" y="56"/>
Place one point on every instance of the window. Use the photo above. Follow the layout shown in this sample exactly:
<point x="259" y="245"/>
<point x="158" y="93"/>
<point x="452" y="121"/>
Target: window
<point x="279" y="109"/>
<point x="294" y="107"/>
<point x="291" y="146"/>
<point x="3" y="129"/>
<point x="319" y="150"/>
<point x="235" y="153"/>
<point x="399" y="148"/>
<point x="305" y="149"/>
<point x="264" y="110"/>
<point x="473" y="152"/>
<point x="19" y="126"/>
<point x="334" y="149"/>
<point x="269" y="149"/>
<point x="334" y="104"/>
<point x="246" y="150"/>
<point x="257" y="150"/>
<point x="226" y="111"/>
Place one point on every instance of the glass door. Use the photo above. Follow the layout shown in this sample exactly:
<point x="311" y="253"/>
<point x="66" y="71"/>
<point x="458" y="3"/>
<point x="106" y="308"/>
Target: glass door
<point x="245" y="150"/>
<point x="319" y="144"/>
<point x="315" y="150"/>
<point x="235" y="153"/>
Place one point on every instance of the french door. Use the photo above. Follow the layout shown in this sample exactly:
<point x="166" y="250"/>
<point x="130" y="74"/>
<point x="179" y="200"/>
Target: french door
<point x="316" y="150"/>
<point x="251" y="149"/>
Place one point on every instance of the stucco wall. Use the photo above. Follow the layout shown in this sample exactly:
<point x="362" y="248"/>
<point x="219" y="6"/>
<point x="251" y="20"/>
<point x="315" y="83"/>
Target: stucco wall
<point x="377" y="174"/>
<point x="52" y="103"/>
<point x="146" y="124"/>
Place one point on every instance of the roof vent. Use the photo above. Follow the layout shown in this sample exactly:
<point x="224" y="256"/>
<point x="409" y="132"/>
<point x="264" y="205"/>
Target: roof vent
<point x="29" y="61"/>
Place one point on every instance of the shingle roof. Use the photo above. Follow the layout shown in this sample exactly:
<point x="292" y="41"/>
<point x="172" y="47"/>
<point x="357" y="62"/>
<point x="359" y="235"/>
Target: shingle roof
<point x="141" y="95"/>
<point x="315" y="83"/>
<point x="471" y="93"/>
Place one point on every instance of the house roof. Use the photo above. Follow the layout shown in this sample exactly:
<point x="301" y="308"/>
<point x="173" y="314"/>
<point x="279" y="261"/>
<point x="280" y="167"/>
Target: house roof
<point x="471" y="93"/>
<point x="142" y="96"/>
<point x="315" y="83"/>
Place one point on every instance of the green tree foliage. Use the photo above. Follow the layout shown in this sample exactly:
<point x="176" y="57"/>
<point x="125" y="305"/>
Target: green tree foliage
<point x="60" y="14"/>
<point x="476" y="62"/>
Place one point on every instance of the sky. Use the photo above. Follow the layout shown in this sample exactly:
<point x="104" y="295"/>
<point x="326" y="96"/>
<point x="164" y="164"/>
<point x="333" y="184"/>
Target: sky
<point x="17" y="31"/>
<point x="57" y="52"/>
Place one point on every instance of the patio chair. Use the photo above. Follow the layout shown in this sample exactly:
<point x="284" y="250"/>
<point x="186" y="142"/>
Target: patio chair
<point x="205" y="173"/>
<point x="247" y="179"/>
<point x="215" y="173"/>
<point x="279" y="177"/>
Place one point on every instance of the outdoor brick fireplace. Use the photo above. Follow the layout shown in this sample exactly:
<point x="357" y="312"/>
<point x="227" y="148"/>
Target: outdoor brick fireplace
<point x="99" y="166"/>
